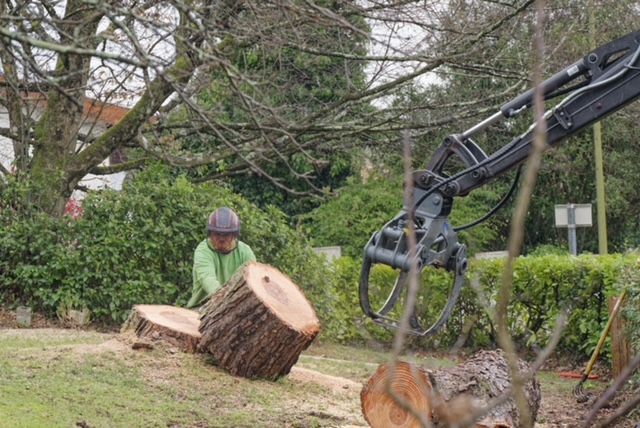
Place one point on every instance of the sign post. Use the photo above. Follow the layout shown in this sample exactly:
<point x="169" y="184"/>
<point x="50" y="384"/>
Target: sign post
<point x="572" y="216"/>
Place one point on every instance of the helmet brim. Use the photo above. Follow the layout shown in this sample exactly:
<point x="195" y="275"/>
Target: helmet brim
<point x="222" y="229"/>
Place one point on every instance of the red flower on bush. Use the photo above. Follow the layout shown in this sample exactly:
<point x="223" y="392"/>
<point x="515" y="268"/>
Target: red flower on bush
<point x="73" y="208"/>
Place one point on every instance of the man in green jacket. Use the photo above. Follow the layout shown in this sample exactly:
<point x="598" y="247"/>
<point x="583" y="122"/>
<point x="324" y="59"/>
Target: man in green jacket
<point x="219" y="256"/>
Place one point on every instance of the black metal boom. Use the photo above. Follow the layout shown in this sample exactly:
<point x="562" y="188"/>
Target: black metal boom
<point x="604" y="81"/>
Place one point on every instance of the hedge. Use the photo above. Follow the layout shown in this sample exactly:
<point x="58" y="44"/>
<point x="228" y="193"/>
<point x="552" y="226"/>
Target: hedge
<point x="542" y="287"/>
<point x="135" y="246"/>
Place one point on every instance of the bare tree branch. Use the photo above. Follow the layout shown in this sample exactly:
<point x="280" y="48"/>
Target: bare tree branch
<point x="248" y="83"/>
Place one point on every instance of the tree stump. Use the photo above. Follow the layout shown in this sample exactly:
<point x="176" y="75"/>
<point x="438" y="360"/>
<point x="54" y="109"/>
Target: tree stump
<point x="258" y="323"/>
<point x="174" y="325"/>
<point x="447" y="395"/>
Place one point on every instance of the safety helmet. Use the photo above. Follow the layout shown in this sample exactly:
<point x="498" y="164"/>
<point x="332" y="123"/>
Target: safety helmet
<point x="223" y="220"/>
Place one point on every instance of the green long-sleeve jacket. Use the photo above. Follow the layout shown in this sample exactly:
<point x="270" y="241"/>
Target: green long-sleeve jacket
<point x="211" y="269"/>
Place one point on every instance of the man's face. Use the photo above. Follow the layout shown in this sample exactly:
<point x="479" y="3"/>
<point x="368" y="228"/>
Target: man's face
<point x="223" y="242"/>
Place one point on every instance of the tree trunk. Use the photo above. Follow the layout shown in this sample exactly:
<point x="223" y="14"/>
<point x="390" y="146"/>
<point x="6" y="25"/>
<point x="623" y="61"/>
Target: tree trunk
<point x="258" y="323"/>
<point x="177" y="326"/>
<point x="447" y="395"/>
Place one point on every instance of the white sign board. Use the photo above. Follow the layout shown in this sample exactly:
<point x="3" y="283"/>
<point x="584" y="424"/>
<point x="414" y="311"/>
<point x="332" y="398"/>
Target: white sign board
<point x="492" y="255"/>
<point x="582" y="214"/>
<point x="330" y="253"/>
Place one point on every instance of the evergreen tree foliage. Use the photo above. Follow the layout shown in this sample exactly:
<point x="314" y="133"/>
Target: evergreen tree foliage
<point x="362" y="207"/>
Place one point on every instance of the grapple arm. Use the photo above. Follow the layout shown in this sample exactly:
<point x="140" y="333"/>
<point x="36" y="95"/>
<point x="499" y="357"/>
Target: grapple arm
<point x="605" y="80"/>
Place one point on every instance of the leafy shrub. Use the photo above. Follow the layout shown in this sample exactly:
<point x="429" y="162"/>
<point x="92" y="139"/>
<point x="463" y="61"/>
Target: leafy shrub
<point x="362" y="208"/>
<point x="542" y="288"/>
<point x="545" y="249"/>
<point x="630" y="277"/>
<point x="546" y="285"/>
<point x="136" y="246"/>
<point x="359" y="210"/>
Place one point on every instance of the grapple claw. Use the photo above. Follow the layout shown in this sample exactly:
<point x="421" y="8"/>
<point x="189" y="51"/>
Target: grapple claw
<point x="380" y="317"/>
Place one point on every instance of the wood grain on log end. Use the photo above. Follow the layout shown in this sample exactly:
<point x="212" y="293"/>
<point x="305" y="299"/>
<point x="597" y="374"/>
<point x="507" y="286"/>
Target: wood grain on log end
<point x="451" y="395"/>
<point x="283" y="297"/>
<point x="172" y="324"/>
<point x="493" y="425"/>
<point x="379" y="397"/>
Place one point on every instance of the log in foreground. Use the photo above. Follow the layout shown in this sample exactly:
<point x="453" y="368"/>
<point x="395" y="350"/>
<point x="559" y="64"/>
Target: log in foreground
<point x="446" y="396"/>
<point x="171" y="324"/>
<point x="258" y="323"/>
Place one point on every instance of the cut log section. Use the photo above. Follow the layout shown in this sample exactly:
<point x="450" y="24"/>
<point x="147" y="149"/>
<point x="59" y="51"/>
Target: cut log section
<point x="410" y="389"/>
<point x="174" y="325"/>
<point x="407" y="395"/>
<point x="258" y="323"/>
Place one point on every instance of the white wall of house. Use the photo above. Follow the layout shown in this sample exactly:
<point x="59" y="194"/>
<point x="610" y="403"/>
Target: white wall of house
<point x="6" y="149"/>
<point x="113" y="181"/>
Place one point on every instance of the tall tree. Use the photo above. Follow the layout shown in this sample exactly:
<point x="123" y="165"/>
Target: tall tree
<point x="500" y="70"/>
<point x="177" y="65"/>
<point x="568" y="174"/>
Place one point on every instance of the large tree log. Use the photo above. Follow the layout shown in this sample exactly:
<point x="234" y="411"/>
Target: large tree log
<point x="258" y="323"/>
<point x="174" y="325"/>
<point x="447" y="395"/>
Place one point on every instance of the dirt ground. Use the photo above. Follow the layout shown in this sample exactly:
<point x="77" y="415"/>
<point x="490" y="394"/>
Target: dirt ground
<point x="559" y="408"/>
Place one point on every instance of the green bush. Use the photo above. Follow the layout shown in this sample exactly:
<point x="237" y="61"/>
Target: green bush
<point x="350" y="219"/>
<point x="362" y="208"/>
<point x="546" y="285"/>
<point x="135" y="246"/>
<point x="631" y="307"/>
<point x="542" y="288"/>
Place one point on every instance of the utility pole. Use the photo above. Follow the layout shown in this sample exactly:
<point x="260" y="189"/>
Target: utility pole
<point x="597" y="142"/>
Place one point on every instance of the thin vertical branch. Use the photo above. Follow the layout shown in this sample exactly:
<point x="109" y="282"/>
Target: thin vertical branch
<point x="412" y="291"/>
<point x="516" y="231"/>
<point x="414" y="273"/>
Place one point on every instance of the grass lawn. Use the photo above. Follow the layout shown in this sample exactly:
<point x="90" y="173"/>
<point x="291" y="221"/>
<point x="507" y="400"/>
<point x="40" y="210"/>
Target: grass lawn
<point x="74" y="378"/>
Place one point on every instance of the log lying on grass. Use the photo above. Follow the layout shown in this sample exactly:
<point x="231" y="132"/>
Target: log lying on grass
<point x="174" y="325"/>
<point x="447" y="395"/>
<point x="258" y="323"/>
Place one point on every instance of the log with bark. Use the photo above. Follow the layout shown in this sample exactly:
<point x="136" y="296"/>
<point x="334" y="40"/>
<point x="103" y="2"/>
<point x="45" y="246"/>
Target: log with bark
<point x="174" y="325"/>
<point x="407" y="395"/>
<point x="258" y="323"/>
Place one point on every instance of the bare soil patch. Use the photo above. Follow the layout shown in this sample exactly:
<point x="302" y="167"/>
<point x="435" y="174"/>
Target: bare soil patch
<point x="561" y="409"/>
